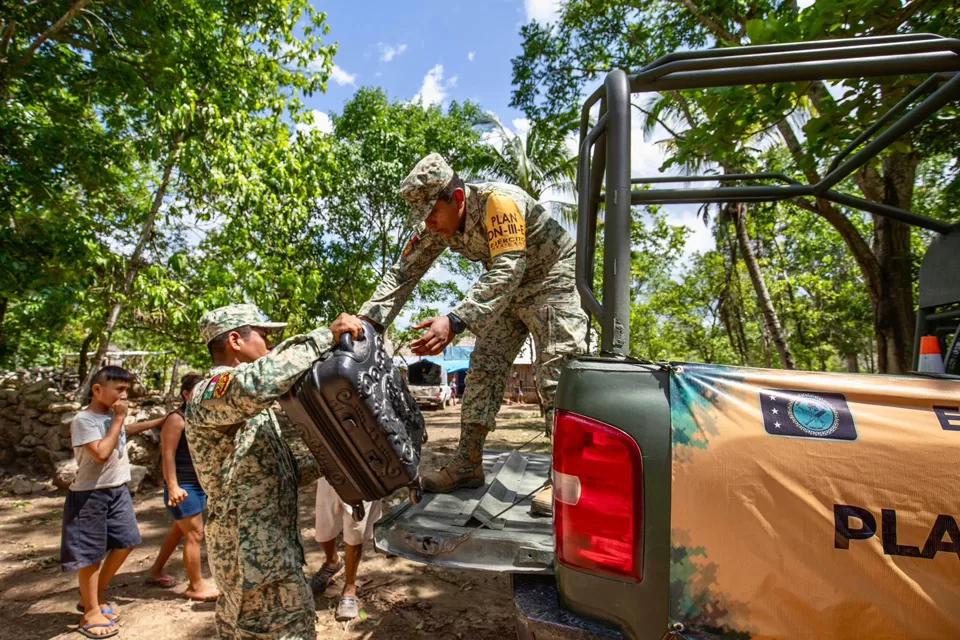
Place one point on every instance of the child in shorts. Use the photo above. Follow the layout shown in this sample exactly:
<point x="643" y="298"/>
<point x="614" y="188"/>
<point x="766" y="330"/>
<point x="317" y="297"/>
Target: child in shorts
<point x="333" y="517"/>
<point x="99" y="523"/>
<point x="186" y="501"/>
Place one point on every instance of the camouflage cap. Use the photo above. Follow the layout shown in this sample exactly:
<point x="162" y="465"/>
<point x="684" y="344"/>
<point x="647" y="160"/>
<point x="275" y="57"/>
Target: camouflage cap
<point x="234" y="316"/>
<point x="421" y="188"/>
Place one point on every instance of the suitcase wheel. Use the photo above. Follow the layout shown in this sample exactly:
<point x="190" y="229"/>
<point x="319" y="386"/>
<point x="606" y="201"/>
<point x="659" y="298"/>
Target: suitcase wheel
<point x="416" y="494"/>
<point x="358" y="512"/>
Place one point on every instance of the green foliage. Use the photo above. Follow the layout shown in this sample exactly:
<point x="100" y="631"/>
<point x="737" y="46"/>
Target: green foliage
<point x="175" y="123"/>
<point x="113" y="114"/>
<point x="824" y="289"/>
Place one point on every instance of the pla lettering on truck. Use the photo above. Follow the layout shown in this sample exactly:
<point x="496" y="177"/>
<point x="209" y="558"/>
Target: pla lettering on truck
<point x="846" y="529"/>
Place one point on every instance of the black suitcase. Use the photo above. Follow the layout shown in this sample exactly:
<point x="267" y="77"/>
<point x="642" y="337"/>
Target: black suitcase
<point x="357" y="417"/>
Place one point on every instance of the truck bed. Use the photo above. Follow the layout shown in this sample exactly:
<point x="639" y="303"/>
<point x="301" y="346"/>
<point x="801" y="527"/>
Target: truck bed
<point x="489" y="528"/>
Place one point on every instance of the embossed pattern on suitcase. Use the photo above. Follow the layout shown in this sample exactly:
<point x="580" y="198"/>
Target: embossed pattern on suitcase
<point x="359" y="420"/>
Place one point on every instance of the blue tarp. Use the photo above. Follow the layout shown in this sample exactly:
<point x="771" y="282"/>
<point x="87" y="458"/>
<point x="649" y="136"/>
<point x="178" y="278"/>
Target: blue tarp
<point x="454" y="359"/>
<point x="457" y="353"/>
<point x="452" y="366"/>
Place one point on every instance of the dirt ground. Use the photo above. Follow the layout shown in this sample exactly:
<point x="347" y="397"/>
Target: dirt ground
<point x="399" y="599"/>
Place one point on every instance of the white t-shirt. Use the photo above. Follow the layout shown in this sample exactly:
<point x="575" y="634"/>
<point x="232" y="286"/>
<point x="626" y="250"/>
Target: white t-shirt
<point x="89" y="427"/>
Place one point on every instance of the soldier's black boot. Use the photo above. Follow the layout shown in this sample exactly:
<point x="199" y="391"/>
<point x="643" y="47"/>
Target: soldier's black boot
<point x="465" y="469"/>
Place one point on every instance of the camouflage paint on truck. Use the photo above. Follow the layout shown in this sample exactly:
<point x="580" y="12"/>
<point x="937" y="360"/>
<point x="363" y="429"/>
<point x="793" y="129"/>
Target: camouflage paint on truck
<point x="814" y="505"/>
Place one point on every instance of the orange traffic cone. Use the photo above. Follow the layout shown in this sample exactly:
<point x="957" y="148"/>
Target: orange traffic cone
<point x="930" y="360"/>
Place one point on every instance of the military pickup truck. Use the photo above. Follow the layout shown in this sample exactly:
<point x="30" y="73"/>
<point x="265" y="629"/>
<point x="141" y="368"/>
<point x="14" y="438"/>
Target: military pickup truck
<point x="698" y="501"/>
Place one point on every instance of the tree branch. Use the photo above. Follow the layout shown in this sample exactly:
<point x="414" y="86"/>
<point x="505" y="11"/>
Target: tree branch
<point x="685" y="106"/>
<point x="796" y="150"/>
<point x="593" y="72"/>
<point x="659" y="121"/>
<point x="73" y="40"/>
<point x="804" y="204"/>
<point x="7" y="37"/>
<point x="59" y="24"/>
<point x="861" y="251"/>
<point x="714" y="27"/>
<point x="905" y="14"/>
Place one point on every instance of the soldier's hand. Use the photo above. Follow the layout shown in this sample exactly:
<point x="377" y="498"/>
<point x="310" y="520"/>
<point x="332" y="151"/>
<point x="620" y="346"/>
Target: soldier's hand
<point x="346" y="323"/>
<point x="439" y="334"/>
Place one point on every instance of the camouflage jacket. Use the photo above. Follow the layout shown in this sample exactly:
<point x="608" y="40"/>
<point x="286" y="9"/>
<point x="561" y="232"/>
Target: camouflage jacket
<point x="516" y="239"/>
<point x="248" y="470"/>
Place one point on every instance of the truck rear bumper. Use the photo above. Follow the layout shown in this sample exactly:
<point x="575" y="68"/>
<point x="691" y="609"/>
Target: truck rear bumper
<point x="540" y="617"/>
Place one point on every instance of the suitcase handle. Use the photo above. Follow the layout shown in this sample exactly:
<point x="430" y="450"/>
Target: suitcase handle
<point x="346" y="340"/>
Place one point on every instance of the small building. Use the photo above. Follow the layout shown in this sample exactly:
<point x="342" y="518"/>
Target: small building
<point x="522" y="377"/>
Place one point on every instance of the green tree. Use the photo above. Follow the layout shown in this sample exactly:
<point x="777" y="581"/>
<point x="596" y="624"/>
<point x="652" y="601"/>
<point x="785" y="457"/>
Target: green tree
<point x="329" y="231"/>
<point x="560" y="60"/>
<point x="189" y="87"/>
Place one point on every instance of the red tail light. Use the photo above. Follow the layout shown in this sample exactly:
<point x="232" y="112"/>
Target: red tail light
<point x="598" y="497"/>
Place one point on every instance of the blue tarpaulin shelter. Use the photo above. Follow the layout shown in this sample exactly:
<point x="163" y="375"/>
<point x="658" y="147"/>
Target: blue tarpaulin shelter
<point x="454" y="359"/>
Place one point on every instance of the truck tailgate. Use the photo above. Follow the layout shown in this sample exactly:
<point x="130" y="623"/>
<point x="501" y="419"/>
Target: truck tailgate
<point x="478" y="528"/>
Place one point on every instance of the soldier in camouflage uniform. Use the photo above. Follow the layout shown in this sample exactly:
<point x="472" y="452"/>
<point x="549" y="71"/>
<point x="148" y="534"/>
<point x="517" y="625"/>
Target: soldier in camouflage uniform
<point x="250" y="474"/>
<point x="528" y="288"/>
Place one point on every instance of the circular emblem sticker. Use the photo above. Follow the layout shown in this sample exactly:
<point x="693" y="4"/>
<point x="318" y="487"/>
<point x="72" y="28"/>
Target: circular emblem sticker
<point x="813" y="415"/>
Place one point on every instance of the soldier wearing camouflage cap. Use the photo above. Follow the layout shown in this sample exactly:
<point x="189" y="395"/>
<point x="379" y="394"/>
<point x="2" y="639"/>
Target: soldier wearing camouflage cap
<point x="251" y="475"/>
<point x="528" y="288"/>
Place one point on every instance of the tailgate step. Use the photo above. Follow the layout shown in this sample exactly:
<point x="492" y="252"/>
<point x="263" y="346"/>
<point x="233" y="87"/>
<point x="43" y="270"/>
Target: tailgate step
<point x="494" y="507"/>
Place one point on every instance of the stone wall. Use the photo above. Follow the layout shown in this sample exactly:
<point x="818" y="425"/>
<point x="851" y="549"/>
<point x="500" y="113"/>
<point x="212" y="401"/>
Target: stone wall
<point x="35" y="429"/>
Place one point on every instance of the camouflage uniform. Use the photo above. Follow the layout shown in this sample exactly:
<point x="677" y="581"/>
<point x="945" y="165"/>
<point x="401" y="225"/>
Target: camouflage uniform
<point x="251" y="478"/>
<point x="528" y="288"/>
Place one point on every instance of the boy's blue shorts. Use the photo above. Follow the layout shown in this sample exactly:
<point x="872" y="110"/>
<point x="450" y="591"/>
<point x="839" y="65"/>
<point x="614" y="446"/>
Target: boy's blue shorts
<point x="94" y="523"/>
<point x="195" y="503"/>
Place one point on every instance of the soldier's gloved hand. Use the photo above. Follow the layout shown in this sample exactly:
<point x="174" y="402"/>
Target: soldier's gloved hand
<point x="346" y="323"/>
<point x="436" y="339"/>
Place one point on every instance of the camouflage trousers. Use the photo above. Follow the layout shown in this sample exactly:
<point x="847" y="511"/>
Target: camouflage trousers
<point x="281" y="610"/>
<point x="548" y="311"/>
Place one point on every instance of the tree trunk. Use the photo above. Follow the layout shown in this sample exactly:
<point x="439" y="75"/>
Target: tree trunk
<point x="84" y="348"/>
<point x="894" y="317"/>
<point x="729" y="307"/>
<point x="174" y="378"/>
<point x="886" y="265"/>
<point x="765" y="335"/>
<point x="853" y="363"/>
<point x="133" y="265"/>
<point x="3" y="314"/>
<point x="771" y="320"/>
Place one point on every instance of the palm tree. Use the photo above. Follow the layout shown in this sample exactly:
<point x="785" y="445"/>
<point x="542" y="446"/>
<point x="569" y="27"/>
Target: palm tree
<point x="737" y="213"/>
<point x="538" y="161"/>
<point x="673" y="107"/>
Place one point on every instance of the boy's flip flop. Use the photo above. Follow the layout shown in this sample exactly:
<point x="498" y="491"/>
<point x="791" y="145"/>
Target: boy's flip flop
<point x="348" y="608"/>
<point x="106" y="610"/>
<point x="321" y="579"/>
<point x="85" y="630"/>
